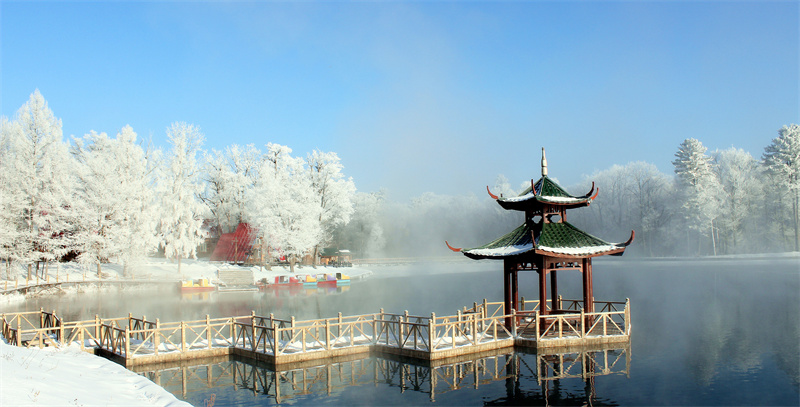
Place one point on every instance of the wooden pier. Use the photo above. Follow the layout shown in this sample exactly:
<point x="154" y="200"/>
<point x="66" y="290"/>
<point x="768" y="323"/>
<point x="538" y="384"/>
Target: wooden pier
<point x="133" y="341"/>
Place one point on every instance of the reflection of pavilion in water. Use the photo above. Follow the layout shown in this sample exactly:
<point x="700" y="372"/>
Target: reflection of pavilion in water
<point x="546" y="368"/>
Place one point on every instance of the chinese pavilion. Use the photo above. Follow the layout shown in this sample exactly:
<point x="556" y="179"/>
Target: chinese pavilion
<point x="545" y="242"/>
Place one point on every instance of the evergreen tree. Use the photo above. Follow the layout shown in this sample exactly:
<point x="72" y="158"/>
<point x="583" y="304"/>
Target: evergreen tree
<point x="699" y="186"/>
<point x="38" y="180"/>
<point x="180" y="228"/>
<point x="334" y="193"/>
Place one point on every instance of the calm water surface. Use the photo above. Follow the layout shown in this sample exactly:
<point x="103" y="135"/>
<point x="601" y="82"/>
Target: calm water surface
<point x="705" y="332"/>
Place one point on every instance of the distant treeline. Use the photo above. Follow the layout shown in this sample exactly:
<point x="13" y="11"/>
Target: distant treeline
<point x="725" y="202"/>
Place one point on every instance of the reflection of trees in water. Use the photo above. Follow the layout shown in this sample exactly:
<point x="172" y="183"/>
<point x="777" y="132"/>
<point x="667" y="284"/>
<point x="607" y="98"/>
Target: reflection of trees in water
<point x="743" y="319"/>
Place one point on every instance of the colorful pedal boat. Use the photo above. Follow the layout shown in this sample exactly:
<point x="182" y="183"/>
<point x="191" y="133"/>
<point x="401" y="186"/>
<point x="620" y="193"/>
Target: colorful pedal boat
<point x="332" y="280"/>
<point x="196" y="285"/>
<point x="299" y="281"/>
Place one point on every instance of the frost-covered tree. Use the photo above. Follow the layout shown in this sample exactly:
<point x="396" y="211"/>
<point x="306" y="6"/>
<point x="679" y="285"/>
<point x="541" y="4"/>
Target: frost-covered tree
<point x="699" y="187"/>
<point x="283" y="205"/>
<point x="180" y="226"/>
<point x="650" y="192"/>
<point x="38" y="180"/>
<point x="114" y="199"/>
<point x="333" y="192"/>
<point x="738" y="174"/>
<point x="364" y="233"/>
<point x="228" y="176"/>
<point x="9" y="199"/>
<point x="502" y="187"/>
<point x="782" y="162"/>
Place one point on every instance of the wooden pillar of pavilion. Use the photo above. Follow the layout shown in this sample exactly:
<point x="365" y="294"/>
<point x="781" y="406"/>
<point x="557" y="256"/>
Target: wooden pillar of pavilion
<point x="588" y="294"/>
<point x="510" y="288"/>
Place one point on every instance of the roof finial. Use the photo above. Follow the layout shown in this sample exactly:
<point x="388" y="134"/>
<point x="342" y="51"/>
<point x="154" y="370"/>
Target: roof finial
<point x="544" y="164"/>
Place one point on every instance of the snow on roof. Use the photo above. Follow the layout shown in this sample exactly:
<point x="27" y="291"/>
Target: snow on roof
<point x="577" y="251"/>
<point x="520" y="198"/>
<point x="548" y="198"/>
<point x="561" y="199"/>
<point x="502" y="251"/>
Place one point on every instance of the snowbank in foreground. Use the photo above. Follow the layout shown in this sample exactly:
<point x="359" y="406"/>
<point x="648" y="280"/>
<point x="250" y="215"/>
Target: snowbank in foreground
<point x="67" y="376"/>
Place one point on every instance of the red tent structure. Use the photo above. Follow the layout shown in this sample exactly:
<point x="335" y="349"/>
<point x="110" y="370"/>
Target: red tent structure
<point x="236" y="247"/>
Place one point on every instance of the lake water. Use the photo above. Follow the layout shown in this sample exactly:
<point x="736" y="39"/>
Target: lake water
<point x="705" y="332"/>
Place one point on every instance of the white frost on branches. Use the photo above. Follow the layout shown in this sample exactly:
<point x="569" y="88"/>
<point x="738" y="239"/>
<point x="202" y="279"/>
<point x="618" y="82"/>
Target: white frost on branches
<point x="180" y="227"/>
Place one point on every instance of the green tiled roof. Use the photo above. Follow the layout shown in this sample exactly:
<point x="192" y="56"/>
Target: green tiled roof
<point x="547" y="187"/>
<point x="517" y="237"/>
<point x="564" y="235"/>
<point x="558" y="238"/>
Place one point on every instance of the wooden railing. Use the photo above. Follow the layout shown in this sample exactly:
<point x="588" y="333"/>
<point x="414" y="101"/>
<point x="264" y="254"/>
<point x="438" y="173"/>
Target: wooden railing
<point x="485" y="322"/>
<point x="609" y="321"/>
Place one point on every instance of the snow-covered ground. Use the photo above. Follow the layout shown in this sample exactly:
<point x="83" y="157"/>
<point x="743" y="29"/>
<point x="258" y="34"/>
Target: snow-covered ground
<point x="69" y="377"/>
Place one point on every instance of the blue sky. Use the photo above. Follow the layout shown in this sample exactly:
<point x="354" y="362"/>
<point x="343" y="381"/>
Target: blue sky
<point x="418" y="96"/>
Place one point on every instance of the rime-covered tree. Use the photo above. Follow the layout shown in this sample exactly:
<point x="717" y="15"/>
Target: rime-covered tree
<point x="228" y="176"/>
<point x="333" y="192"/>
<point x="364" y="233"/>
<point x="38" y="180"/>
<point x="180" y="227"/>
<point x="283" y="205"/>
<point x="114" y="199"/>
<point x="699" y="187"/>
<point x="738" y="174"/>
<point x="10" y="211"/>
<point x="782" y="162"/>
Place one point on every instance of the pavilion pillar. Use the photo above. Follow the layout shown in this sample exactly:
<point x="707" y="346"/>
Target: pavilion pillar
<point x="542" y="266"/>
<point x="507" y="291"/>
<point x="514" y="271"/>
<point x="588" y="294"/>
<point x="554" y="289"/>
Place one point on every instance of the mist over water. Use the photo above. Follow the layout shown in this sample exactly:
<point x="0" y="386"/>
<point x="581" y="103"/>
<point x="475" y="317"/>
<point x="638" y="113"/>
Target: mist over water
<point x="705" y="332"/>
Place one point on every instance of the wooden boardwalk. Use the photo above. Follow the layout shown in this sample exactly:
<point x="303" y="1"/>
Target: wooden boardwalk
<point x="135" y="341"/>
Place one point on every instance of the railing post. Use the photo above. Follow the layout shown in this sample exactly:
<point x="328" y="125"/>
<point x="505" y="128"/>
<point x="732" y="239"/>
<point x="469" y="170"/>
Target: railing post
<point x="183" y="337"/>
<point x="474" y="329"/>
<point x="234" y="340"/>
<point x="627" y="316"/>
<point x="41" y="314"/>
<point x="327" y="334"/>
<point x="97" y="328"/>
<point x="431" y="331"/>
<point x="485" y="307"/>
<point x="291" y="337"/>
<point x="583" y="324"/>
<point x="275" y="336"/>
<point x="208" y="331"/>
<point x="514" y="323"/>
<point x="536" y="321"/>
<point x="157" y="337"/>
<point x="339" y="330"/>
<point x="127" y="343"/>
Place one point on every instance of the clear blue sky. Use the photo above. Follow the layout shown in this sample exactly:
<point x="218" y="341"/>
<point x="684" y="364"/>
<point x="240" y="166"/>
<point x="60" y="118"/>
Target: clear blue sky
<point x="418" y="96"/>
